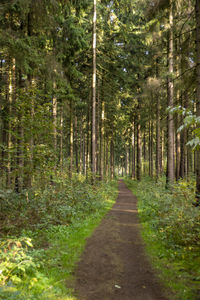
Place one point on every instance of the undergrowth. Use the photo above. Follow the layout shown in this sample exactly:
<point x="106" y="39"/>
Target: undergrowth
<point x="43" y="233"/>
<point x="171" y="230"/>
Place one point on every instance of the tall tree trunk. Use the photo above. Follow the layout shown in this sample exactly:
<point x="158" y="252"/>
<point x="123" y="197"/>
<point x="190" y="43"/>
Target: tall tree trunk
<point x="139" y="148"/>
<point x="76" y="142"/>
<point x="94" y="96"/>
<point x="144" y="151"/>
<point x="127" y="160"/>
<point x="20" y="147"/>
<point x="61" y="138"/>
<point x="71" y="140"/>
<point x="54" y="114"/>
<point x="102" y="141"/>
<point x="112" y="158"/>
<point x="178" y="149"/>
<point x="162" y="150"/>
<point x="198" y="94"/>
<point x="81" y="147"/>
<point x="158" y="138"/>
<point x="152" y="165"/>
<point x="88" y="142"/>
<point x="149" y="148"/>
<point x="98" y="117"/>
<point x="11" y="92"/>
<point x="107" y="156"/>
<point x="133" y="150"/>
<point x="170" y="146"/>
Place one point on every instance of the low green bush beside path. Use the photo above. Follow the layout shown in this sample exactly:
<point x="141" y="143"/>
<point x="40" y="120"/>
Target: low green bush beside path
<point x="37" y="259"/>
<point x="171" y="231"/>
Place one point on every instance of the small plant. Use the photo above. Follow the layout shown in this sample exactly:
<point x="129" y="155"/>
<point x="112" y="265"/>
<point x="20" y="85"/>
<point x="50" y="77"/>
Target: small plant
<point x="15" y="260"/>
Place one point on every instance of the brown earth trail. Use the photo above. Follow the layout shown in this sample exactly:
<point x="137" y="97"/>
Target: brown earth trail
<point x="114" y="265"/>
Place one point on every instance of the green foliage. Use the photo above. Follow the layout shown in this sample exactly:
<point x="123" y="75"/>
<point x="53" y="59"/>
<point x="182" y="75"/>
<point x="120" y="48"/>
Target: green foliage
<point x="171" y="229"/>
<point x="189" y="121"/>
<point x="56" y="221"/>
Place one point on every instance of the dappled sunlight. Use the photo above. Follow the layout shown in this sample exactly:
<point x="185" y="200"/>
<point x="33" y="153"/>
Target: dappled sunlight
<point x="125" y="210"/>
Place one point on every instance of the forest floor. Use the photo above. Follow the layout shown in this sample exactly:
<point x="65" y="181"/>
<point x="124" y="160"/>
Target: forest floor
<point x="114" y="264"/>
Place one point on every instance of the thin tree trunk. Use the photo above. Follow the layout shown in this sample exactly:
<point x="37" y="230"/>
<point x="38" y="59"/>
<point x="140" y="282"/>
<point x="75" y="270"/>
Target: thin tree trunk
<point x="71" y="141"/>
<point x="144" y="151"/>
<point x="133" y="151"/>
<point x="20" y="148"/>
<point x="162" y="150"/>
<point x="81" y="147"/>
<point x="11" y="91"/>
<point x="139" y="149"/>
<point x="178" y="149"/>
<point x="158" y="138"/>
<point x="107" y="157"/>
<point x="102" y="141"/>
<point x="149" y="148"/>
<point x="54" y="114"/>
<point x="76" y="142"/>
<point x="98" y="159"/>
<point x="112" y="158"/>
<point x="170" y="146"/>
<point x="61" y="138"/>
<point x="88" y="148"/>
<point x="94" y="97"/>
<point x="152" y="168"/>
<point x="198" y="94"/>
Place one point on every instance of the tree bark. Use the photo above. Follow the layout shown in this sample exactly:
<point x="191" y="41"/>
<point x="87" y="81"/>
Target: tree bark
<point x="94" y="97"/>
<point x="102" y="141"/>
<point x="71" y="141"/>
<point x="54" y="114"/>
<point x="197" y="10"/>
<point x="158" y="138"/>
<point x="170" y="145"/>
<point x="133" y="150"/>
<point x="139" y="149"/>
<point x="61" y="138"/>
<point x="178" y="149"/>
<point x="76" y="142"/>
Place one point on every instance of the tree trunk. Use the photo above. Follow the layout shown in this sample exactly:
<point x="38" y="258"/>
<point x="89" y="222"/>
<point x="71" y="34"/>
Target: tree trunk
<point x="20" y="147"/>
<point x="54" y="114"/>
<point x="198" y="94"/>
<point x="76" y="142"/>
<point x="144" y="151"/>
<point x="81" y="157"/>
<point x="94" y="97"/>
<point x="71" y="141"/>
<point x="149" y="148"/>
<point x="61" y="138"/>
<point x="151" y="145"/>
<point x="178" y="149"/>
<point x="170" y="146"/>
<point x="158" y="138"/>
<point x="139" y="149"/>
<point x="11" y="92"/>
<point x="133" y="151"/>
<point x="102" y="141"/>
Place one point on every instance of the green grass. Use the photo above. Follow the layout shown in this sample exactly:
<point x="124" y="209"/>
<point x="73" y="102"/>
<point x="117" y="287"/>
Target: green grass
<point x="48" y="268"/>
<point x="171" y="230"/>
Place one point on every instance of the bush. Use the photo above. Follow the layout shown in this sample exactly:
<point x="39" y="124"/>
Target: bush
<point x="171" y="229"/>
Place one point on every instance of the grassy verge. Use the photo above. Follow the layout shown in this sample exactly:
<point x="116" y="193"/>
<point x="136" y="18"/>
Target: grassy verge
<point x="171" y="230"/>
<point x="39" y="261"/>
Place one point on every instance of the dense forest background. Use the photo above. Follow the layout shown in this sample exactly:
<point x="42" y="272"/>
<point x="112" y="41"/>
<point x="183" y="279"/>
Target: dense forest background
<point x="54" y="119"/>
<point x="92" y="90"/>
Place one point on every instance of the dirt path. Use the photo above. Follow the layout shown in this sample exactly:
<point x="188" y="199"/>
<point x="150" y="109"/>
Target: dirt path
<point x="113" y="265"/>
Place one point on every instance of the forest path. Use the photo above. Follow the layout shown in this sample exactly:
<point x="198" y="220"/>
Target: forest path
<point x="114" y="265"/>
